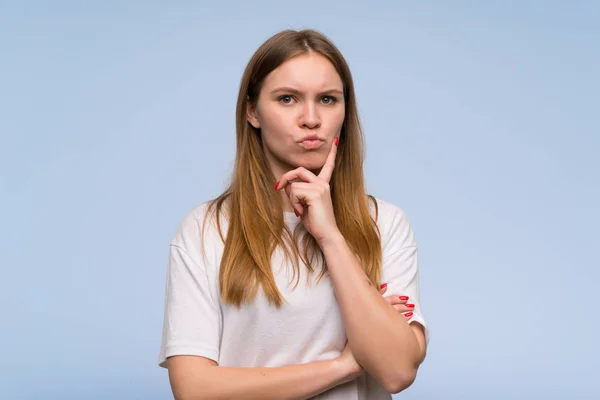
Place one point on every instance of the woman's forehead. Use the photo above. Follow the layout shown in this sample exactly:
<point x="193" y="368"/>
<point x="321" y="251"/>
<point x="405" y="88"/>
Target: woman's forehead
<point x="306" y="72"/>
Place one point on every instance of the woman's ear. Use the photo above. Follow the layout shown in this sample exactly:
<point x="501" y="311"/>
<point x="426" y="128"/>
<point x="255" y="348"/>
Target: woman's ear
<point x="251" y="115"/>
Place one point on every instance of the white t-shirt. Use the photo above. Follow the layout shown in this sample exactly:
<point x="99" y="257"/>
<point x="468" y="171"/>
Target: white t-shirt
<point x="308" y="327"/>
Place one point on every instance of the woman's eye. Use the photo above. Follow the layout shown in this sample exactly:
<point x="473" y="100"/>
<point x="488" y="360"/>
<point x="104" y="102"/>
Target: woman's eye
<point x="286" y="99"/>
<point x="328" y="100"/>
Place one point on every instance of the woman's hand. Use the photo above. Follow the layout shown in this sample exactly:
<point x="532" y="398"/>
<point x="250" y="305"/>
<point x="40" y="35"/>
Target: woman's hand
<point x="310" y="196"/>
<point x="400" y="303"/>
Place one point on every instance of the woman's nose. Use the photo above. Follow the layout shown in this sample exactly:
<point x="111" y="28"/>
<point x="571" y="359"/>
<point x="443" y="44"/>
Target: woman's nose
<point x="310" y="116"/>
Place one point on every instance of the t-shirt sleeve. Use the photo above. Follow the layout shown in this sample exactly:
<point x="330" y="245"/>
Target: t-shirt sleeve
<point x="400" y="268"/>
<point x="192" y="324"/>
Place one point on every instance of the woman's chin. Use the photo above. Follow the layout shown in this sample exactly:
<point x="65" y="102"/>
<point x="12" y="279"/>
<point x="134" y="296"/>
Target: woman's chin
<point x="311" y="165"/>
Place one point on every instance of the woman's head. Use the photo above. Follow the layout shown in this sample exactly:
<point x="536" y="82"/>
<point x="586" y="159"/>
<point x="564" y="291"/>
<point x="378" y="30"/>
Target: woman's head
<point x="297" y="86"/>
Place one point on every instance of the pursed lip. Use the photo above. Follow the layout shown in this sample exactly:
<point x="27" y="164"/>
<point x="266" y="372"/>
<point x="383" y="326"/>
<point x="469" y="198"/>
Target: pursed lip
<point x="311" y="137"/>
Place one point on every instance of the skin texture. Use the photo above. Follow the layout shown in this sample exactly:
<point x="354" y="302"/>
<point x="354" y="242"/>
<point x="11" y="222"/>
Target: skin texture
<point x="313" y="106"/>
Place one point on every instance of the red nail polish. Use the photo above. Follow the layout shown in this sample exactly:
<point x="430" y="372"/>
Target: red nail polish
<point x="383" y="286"/>
<point x="296" y="212"/>
<point x="276" y="185"/>
<point x="410" y="305"/>
<point x="408" y="314"/>
<point x="403" y="297"/>
<point x="336" y="141"/>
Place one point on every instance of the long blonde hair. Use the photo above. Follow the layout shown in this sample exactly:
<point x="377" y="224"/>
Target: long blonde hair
<point x="254" y="209"/>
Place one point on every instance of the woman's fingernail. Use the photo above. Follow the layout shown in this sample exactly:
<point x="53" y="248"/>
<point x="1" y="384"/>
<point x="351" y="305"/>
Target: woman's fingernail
<point x="277" y="185"/>
<point x="410" y="305"/>
<point x="408" y="314"/>
<point x="403" y="297"/>
<point x="296" y="212"/>
<point x="383" y="286"/>
<point x="336" y="141"/>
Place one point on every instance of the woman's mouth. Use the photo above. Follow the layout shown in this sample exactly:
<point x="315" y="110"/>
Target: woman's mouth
<point x="311" y="144"/>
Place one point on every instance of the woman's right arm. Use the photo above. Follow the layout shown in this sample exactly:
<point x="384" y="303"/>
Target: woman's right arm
<point x="199" y="378"/>
<point x="192" y="334"/>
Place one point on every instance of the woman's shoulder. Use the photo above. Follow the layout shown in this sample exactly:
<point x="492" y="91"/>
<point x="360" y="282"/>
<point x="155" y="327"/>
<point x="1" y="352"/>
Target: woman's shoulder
<point x="392" y="221"/>
<point x="385" y="211"/>
<point x="199" y="223"/>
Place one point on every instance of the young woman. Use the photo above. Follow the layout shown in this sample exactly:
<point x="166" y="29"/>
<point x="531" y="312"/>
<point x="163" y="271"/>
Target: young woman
<point x="274" y="289"/>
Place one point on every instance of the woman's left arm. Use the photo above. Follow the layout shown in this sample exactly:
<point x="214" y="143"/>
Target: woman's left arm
<point x="381" y="339"/>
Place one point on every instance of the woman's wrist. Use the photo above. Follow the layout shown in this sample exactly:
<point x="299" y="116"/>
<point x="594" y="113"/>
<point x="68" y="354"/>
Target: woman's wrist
<point x="346" y="370"/>
<point x="333" y="239"/>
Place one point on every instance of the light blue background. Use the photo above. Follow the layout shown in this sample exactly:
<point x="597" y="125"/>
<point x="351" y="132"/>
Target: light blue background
<point x="481" y="120"/>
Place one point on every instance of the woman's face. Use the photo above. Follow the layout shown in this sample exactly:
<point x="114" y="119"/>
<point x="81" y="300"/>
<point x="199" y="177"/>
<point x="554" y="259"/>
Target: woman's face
<point x="300" y="110"/>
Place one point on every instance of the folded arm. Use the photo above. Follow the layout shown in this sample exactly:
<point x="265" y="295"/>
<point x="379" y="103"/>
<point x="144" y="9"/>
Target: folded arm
<point x="199" y="378"/>
<point x="381" y="339"/>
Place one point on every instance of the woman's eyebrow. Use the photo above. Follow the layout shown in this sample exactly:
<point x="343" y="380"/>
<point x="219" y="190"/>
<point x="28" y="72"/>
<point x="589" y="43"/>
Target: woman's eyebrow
<point x="296" y="91"/>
